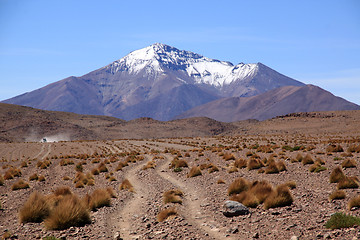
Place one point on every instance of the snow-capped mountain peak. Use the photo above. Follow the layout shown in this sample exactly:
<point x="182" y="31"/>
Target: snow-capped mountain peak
<point x="158" y="58"/>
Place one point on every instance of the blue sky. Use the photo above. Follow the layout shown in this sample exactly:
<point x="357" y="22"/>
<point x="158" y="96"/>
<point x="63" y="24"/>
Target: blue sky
<point x="315" y="42"/>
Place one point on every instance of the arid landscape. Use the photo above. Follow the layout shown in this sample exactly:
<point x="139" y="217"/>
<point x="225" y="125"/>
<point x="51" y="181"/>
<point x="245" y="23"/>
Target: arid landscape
<point x="189" y="176"/>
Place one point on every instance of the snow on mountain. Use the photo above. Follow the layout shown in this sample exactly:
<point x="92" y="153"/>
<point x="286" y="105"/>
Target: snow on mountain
<point x="158" y="57"/>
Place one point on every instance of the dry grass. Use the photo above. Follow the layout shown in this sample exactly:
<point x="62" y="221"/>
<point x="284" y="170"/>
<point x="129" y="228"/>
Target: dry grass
<point x="33" y="177"/>
<point x="279" y="198"/>
<point x="337" y="194"/>
<point x="149" y="164"/>
<point x="2" y="180"/>
<point x="240" y="163"/>
<point x="126" y="185"/>
<point x="334" y="148"/>
<point x="69" y="211"/>
<point x="354" y="148"/>
<point x="254" y="163"/>
<point x="99" y="198"/>
<point x="237" y="186"/>
<point x="261" y="190"/>
<point x="41" y="178"/>
<point x="20" y="184"/>
<point x="272" y="168"/>
<point x="220" y="181"/>
<point x="336" y="175"/>
<point x="354" y="202"/>
<point x="317" y="167"/>
<point x="307" y="160"/>
<point x="111" y="192"/>
<point x="194" y="171"/>
<point x="291" y="184"/>
<point x="228" y="156"/>
<point x="173" y="196"/>
<point x="62" y="191"/>
<point x="246" y="198"/>
<point x="102" y="167"/>
<point x="349" y="163"/>
<point x="348" y="182"/>
<point x="35" y="209"/>
<point x="11" y="173"/>
<point x="212" y="168"/>
<point x="166" y="213"/>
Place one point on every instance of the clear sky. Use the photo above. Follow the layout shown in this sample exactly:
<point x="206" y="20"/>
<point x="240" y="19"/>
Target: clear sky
<point x="313" y="41"/>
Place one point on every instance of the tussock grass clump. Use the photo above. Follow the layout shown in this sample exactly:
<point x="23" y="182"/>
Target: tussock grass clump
<point x="66" y="178"/>
<point x="228" y="156"/>
<point x="337" y="194"/>
<point x="99" y="198"/>
<point x="341" y="220"/>
<point x="20" y="184"/>
<point x="149" y="164"/>
<point x="279" y="198"/>
<point x="237" y="186"/>
<point x="254" y="163"/>
<point x="69" y="211"/>
<point x="35" y="209"/>
<point x="307" y="160"/>
<point x="220" y="181"/>
<point x="43" y="164"/>
<point x="102" y="167"/>
<point x="33" y="177"/>
<point x="173" y="196"/>
<point x="354" y="202"/>
<point x="336" y="175"/>
<point x="11" y="173"/>
<point x="178" y="163"/>
<point x="65" y="162"/>
<point x="334" y="148"/>
<point x="354" y="148"/>
<point x="111" y="192"/>
<point x="95" y="171"/>
<point x="194" y="171"/>
<point x="272" y="168"/>
<point x="126" y="185"/>
<point x="261" y="190"/>
<point x="298" y="158"/>
<point x="348" y="182"/>
<point x="232" y="169"/>
<point x="212" y="168"/>
<point x="349" y="163"/>
<point x="41" y="178"/>
<point x="2" y="180"/>
<point x="121" y="165"/>
<point x="240" y="163"/>
<point x="317" y="167"/>
<point x="291" y="184"/>
<point x="246" y="198"/>
<point x="166" y="213"/>
<point x="62" y="191"/>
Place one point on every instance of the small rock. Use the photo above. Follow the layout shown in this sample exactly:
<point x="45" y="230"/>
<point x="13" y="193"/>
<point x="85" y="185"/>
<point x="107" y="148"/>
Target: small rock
<point x="233" y="208"/>
<point x="327" y="236"/>
<point x="319" y="235"/>
<point x="256" y="235"/>
<point x="117" y="236"/>
<point x="294" y="238"/>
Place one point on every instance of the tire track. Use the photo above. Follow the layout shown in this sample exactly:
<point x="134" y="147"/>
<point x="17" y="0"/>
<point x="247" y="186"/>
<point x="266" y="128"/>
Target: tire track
<point x="193" y="203"/>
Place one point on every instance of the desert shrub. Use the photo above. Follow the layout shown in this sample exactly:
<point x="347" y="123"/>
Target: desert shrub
<point x="173" y="196"/>
<point x="220" y="181"/>
<point x="20" y="184"/>
<point x="254" y="163"/>
<point x="126" y="185"/>
<point x="166" y="213"/>
<point x="336" y="175"/>
<point x="35" y="209"/>
<point x="348" y="182"/>
<point x="240" y="163"/>
<point x="62" y="191"/>
<point x="279" y="198"/>
<point x="307" y="160"/>
<point x="337" y="194"/>
<point x="334" y="148"/>
<point x="228" y="156"/>
<point x="149" y="164"/>
<point x="33" y="177"/>
<point x="238" y="185"/>
<point x="194" y="171"/>
<point x="354" y="202"/>
<point x="70" y="211"/>
<point x="341" y="220"/>
<point x="348" y="163"/>
<point x="99" y="198"/>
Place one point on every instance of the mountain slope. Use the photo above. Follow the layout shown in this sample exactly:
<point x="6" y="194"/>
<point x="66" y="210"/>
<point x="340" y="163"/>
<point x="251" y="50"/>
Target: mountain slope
<point x="158" y="81"/>
<point x="280" y="101"/>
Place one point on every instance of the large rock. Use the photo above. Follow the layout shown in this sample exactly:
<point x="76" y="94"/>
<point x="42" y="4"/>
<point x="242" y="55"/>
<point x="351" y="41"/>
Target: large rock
<point x="233" y="208"/>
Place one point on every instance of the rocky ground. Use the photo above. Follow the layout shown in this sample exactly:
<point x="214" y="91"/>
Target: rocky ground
<point x="133" y="215"/>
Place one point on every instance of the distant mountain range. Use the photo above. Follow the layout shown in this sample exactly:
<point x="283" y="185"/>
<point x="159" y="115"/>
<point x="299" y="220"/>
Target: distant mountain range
<point x="163" y="83"/>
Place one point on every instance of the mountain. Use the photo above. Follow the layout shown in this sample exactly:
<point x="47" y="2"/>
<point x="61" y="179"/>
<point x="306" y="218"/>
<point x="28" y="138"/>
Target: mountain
<point x="158" y="81"/>
<point x="277" y="102"/>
